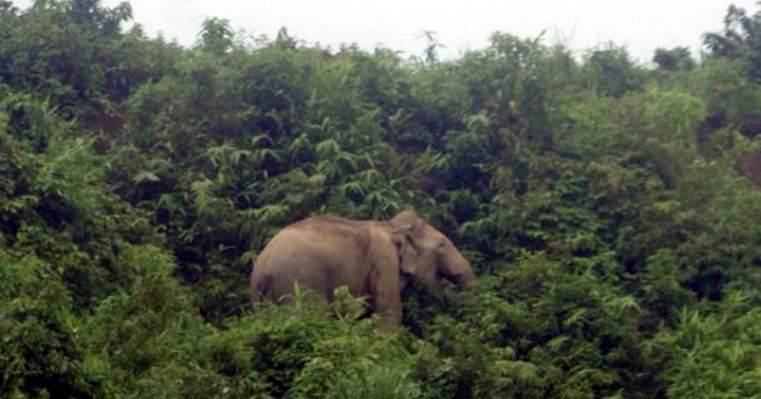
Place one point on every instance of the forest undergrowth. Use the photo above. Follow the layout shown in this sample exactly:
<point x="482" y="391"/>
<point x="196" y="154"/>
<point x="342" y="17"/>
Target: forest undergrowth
<point x="608" y="208"/>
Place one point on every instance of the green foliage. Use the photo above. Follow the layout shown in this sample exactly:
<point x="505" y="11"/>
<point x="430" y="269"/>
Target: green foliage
<point x="41" y="355"/>
<point x="216" y="35"/>
<point x="677" y="58"/>
<point x="739" y="39"/>
<point x="610" y="72"/>
<point x="146" y="340"/>
<point x="713" y="355"/>
<point x="302" y="352"/>
<point x="600" y="203"/>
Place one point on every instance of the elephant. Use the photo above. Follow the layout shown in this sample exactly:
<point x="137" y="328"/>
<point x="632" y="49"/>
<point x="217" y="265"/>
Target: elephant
<point x="374" y="259"/>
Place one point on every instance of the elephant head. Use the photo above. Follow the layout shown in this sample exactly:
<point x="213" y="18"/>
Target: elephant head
<point x="426" y="254"/>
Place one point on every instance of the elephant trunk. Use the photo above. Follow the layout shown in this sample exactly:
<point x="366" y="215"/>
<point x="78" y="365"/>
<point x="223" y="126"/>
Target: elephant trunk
<point x="460" y="272"/>
<point x="464" y="279"/>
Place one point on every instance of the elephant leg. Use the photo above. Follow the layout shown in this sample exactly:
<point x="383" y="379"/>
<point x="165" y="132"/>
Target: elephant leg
<point x="258" y="291"/>
<point x="387" y="302"/>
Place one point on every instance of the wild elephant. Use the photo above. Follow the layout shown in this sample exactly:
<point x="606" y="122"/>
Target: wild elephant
<point x="374" y="259"/>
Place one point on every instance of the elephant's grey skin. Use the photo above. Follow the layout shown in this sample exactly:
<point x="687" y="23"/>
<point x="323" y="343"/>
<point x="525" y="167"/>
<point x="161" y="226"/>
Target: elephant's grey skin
<point x="374" y="259"/>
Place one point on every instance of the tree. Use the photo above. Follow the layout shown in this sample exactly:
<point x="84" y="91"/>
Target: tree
<point x="599" y="202"/>
<point x="610" y="72"/>
<point x="216" y="35"/>
<point x="740" y="39"/>
<point x="677" y="58"/>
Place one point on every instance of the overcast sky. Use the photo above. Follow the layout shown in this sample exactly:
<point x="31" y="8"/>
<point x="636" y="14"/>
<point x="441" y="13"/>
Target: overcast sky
<point x="640" y="25"/>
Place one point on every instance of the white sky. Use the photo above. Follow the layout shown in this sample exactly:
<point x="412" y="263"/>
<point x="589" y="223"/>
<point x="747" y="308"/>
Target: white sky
<point x="640" y="25"/>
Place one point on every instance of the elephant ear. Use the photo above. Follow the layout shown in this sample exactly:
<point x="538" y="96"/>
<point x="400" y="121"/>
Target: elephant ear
<point x="408" y="255"/>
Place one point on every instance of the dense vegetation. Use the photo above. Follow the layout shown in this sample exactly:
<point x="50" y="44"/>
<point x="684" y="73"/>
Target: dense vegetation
<point x="608" y="208"/>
